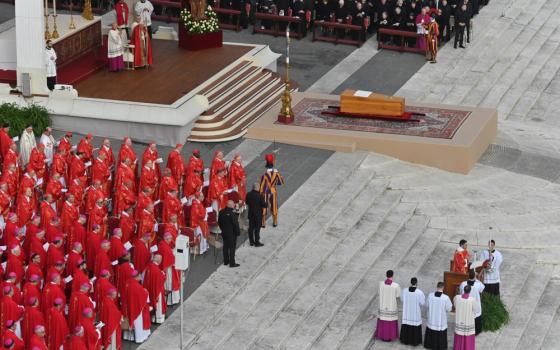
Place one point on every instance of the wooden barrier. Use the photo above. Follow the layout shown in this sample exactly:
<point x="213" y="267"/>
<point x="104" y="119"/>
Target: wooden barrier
<point x="403" y="36"/>
<point x="276" y="20"/>
<point x="335" y="28"/>
<point x="170" y="17"/>
<point x="235" y="14"/>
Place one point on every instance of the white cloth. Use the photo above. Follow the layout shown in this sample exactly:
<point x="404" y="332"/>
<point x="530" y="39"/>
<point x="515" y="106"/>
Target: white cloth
<point x="113" y="344"/>
<point x="48" y="142"/>
<point x="438" y="307"/>
<point x="144" y="10"/>
<point x="412" y="303"/>
<point x="465" y="309"/>
<point x="175" y="296"/>
<point x="492" y="275"/>
<point x="115" y="44"/>
<point x="50" y="62"/>
<point x="388" y="295"/>
<point x="203" y="242"/>
<point x="159" y="316"/>
<point x="26" y="144"/>
<point x="140" y="334"/>
<point x="476" y="290"/>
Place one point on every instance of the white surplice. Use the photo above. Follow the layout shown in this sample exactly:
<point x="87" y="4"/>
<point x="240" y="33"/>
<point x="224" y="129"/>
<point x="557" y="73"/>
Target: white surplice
<point x="492" y="275"/>
<point x="49" y="142"/>
<point x="438" y="307"/>
<point x="412" y="306"/>
<point x="465" y="309"/>
<point x="388" y="295"/>
<point x="476" y="289"/>
<point x="26" y="143"/>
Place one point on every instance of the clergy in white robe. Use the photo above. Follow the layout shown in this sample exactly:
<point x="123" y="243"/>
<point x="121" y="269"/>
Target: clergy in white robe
<point x="493" y="260"/>
<point x="388" y="318"/>
<point x="50" y="65"/>
<point x="438" y="305"/>
<point x="476" y="289"/>
<point x="26" y="144"/>
<point x="48" y="141"/>
<point x="144" y="9"/>
<point x="411" y="328"/>
<point x="465" y="309"/>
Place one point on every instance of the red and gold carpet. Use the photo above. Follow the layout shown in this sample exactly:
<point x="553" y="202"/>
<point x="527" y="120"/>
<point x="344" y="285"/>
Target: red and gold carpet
<point x="437" y="122"/>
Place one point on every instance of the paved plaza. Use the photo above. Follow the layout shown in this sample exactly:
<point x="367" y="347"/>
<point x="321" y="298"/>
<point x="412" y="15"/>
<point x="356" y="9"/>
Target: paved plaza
<point x="347" y="218"/>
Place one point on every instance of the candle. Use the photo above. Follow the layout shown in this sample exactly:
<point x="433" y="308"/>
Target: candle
<point x="46" y="7"/>
<point x="54" y="7"/>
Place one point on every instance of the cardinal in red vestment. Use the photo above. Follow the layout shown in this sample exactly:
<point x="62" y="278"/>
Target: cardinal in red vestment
<point x="35" y="268"/>
<point x="9" y="310"/>
<point x="78" y="232"/>
<point x="172" y="206"/>
<point x="125" y="174"/>
<point x="31" y="289"/>
<point x="198" y="215"/>
<point x="147" y="222"/>
<point x="172" y="276"/>
<point x="151" y="153"/>
<point x="86" y="148"/>
<point x="93" y="245"/>
<point x="217" y="190"/>
<point x="52" y="291"/>
<point x="108" y="152"/>
<point x="176" y="164"/>
<point x="193" y="183"/>
<point x="74" y="257"/>
<point x="92" y="335"/>
<point x="142" y="45"/>
<point x="102" y="260"/>
<point x="12" y="157"/>
<point x="69" y="214"/>
<point x="149" y="179"/>
<point x="123" y="273"/>
<point x="65" y="143"/>
<point x="37" y="341"/>
<point x="124" y="198"/>
<point x="127" y="225"/>
<point x="56" y="325"/>
<point x="78" y="168"/>
<point x="461" y="258"/>
<point x="79" y="300"/>
<point x="10" y="339"/>
<point x="47" y="211"/>
<point x="142" y="254"/>
<point x="218" y="164"/>
<point x="144" y="200"/>
<point x="195" y="163"/>
<point x="31" y="319"/>
<point x="76" y="341"/>
<point x="111" y="316"/>
<point x="237" y="179"/>
<point x="94" y="193"/>
<point x="15" y="263"/>
<point x="102" y="286"/>
<point x="117" y="245"/>
<point x="154" y="282"/>
<point x="60" y="165"/>
<point x="127" y="152"/>
<point x="135" y="305"/>
<point x="5" y="139"/>
<point x="98" y="217"/>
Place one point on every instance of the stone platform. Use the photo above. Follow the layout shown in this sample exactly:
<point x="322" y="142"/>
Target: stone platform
<point x="447" y="137"/>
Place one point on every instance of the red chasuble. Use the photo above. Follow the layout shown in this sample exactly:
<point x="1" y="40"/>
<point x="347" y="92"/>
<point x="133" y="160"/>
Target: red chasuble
<point x="237" y="178"/>
<point x="147" y="223"/>
<point x="33" y="317"/>
<point x="195" y="164"/>
<point x="50" y="293"/>
<point x="77" y="170"/>
<point x="111" y="316"/>
<point x="31" y="291"/>
<point x="78" y="302"/>
<point x="135" y="301"/>
<point x="143" y="202"/>
<point x="141" y="256"/>
<point x="193" y="184"/>
<point x="102" y="286"/>
<point x="102" y="262"/>
<point x="153" y="156"/>
<point x="176" y="164"/>
<point x="124" y="199"/>
<point x="117" y="247"/>
<point x="128" y="227"/>
<point x="76" y="343"/>
<point x="69" y="215"/>
<point x="86" y="148"/>
<point x="9" y="310"/>
<point x="168" y="183"/>
<point x="128" y="152"/>
<point x="18" y="342"/>
<point x="93" y="245"/>
<point x="25" y="210"/>
<point x="460" y="261"/>
<point x="148" y="179"/>
<point x="173" y="206"/>
<point x="123" y="274"/>
<point x="57" y="328"/>
<point x="47" y="214"/>
<point x="142" y="46"/>
<point x="168" y="260"/>
<point x="78" y="234"/>
<point x="37" y="343"/>
<point x="92" y="336"/>
<point x="154" y="282"/>
<point x="198" y="217"/>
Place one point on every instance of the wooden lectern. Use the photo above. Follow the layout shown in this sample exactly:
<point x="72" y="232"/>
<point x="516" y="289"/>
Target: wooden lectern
<point x="452" y="281"/>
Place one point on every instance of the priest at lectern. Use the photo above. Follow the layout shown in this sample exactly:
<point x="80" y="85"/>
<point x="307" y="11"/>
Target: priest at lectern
<point x="140" y="38"/>
<point x="461" y="258"/>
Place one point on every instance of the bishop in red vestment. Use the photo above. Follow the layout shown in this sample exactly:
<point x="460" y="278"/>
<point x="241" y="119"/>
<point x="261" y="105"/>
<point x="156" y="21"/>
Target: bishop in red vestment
<point x="154" y="282"/>
<point x="136" y="309"/>
<point x="151" y="153"/>
<point x="176" y="164"/>
<point x="92" y="335"/>
<point x="237" y="179"/>
<point x="79" y="300"/>
<point x="51" y="292"/>
<point x="195" y="163"/>
<point x="172" y="276"/>
<point x="76" y="341"/>
<point x="56" y="325"/>
<point x="37" y="341"/>
<point x="142" y="254"/>
<point x="142" y="45"/>
<point x="9" y="310"/>
<point x="111" y="316"/>
<point x="31" y="319"/>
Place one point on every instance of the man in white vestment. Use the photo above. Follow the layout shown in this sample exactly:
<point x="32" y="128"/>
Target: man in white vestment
<point x="26" y="144"/>
<point x="438" y="305"/>
<point x="50" y="65"/>
<point x="465" y="309"/>
<point x="411" y="328"/>
<point x="476" y="289"/>
<point x="48" y="141"/>
<point x="388" y="318"/>
<point x="493" y="261"/>
<point x="144" y="9"/>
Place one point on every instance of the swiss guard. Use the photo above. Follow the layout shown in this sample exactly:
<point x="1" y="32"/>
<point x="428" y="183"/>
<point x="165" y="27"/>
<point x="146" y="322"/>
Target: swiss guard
<point x="269" y="180"/>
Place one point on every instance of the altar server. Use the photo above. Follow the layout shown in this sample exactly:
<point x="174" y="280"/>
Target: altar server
<point x="48" y="141"/>
<point x="413" y="299"/>
<point x="476" y="289"/>
<point x="493" y="260"/>
<point x="439" y="305"/>
<point x="465" y="309"/>
<point x="144" y="9"/>
<point x="50" y="65"/>
<point x="387" y="321"/>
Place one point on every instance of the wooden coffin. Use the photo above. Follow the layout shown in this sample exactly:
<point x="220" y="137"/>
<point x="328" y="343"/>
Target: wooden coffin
<point x="365" y="102"/>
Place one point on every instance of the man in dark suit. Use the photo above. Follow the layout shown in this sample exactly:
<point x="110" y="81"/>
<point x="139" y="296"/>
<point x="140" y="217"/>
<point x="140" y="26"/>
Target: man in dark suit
<point x="229" y="225"/>
<point x="255" y="202"/>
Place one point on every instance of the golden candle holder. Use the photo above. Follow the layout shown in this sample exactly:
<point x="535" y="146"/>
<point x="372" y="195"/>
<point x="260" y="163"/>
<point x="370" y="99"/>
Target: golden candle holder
<point x="72" y="25"/>
<point x="47" y="33"/>
<point x="54" y="34"/>
<point x="286" y="115"/>
<point x="87" y="12"/>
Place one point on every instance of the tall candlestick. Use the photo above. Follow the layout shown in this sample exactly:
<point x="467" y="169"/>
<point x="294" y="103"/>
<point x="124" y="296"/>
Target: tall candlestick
<point x="54" y="7"/>
<point x="46" y="7"/>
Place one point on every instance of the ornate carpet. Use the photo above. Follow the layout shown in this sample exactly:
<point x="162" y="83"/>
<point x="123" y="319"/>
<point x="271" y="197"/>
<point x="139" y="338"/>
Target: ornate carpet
<point x="437" y="123"/>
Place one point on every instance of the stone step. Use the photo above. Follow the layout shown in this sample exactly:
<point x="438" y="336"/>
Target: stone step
<point x="305" y="269"/>
<point x="526" y="303"/>
<point x="543" y="317"/>
<point x="492" y="66"/>
<point x="280" y="258"/>
<point x="551" y="340"/>
<point x="209" y="302"/>
<point x="345" y="277"/>
<point x="347" y="328"/>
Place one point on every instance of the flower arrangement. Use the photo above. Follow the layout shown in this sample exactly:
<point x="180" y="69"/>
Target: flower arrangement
<point x="208" y="25"/>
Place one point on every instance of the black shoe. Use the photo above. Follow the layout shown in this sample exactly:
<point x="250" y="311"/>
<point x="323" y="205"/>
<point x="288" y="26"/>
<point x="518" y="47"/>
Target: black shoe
<point x="252" y="244"/>
<point x="461" y="46"/>
<point x="258" y="244"/>
<point x="226" y="263"/>
<point x="274" y="225"/>
<point x="233" y="265"/>
<point x="455" y="46"/>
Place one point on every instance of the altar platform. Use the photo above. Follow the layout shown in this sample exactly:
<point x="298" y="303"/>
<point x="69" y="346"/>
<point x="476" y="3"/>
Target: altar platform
<point x="448" y="137"/>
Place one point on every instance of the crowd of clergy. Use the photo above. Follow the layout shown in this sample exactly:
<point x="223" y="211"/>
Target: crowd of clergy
<point x="467" y="303"/>
<point x="87" y="237"/>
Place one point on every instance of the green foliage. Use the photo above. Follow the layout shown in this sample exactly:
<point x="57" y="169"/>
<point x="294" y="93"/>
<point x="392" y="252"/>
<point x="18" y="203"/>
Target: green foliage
<point x="494" y="312"/>
<point x="19" y="117"/>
